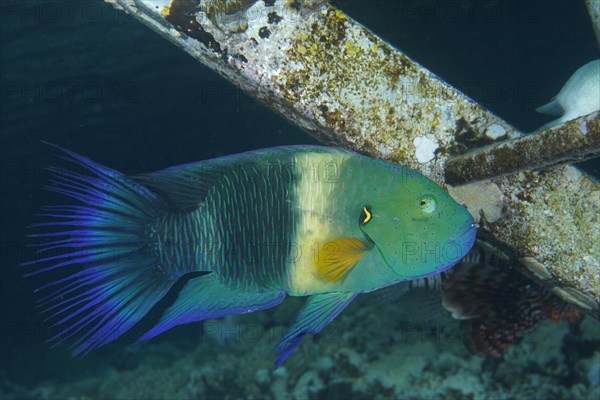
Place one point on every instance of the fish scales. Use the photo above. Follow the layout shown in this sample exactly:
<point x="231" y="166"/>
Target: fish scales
<point x="245" y="230"/>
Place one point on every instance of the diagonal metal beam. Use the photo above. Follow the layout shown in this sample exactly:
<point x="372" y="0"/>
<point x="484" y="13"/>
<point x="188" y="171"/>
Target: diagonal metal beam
<point x="331" y="76"/>
<point x="574" y="141"/>
<point x="346" y="86"/>
<point x="593" y="7"/>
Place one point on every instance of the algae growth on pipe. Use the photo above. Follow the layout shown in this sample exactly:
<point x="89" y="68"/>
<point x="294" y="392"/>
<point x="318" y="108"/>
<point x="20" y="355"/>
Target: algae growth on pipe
<point x="574" y="141"/>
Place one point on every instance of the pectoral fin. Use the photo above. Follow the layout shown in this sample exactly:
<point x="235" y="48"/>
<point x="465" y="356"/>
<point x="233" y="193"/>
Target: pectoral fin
<point x="552" y="108"/>
<point x="337" y="257"/>
<point x="318" y="311"/>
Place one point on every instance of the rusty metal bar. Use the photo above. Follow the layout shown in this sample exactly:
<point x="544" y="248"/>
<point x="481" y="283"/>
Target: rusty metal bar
<point x="330" y="75"/>
<point x="574" y="141"/>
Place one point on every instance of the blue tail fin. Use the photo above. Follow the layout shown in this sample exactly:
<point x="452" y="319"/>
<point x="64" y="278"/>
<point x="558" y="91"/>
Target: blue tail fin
<point x="101" y="252"/>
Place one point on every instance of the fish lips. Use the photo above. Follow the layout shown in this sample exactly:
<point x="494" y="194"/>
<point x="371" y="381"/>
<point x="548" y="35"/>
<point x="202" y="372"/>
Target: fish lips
<point x="456" y="248"/>
<point x="464" y="241"/>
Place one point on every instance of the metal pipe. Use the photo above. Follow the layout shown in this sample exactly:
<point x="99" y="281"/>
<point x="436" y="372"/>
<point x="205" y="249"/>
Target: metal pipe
<point x="331" y="76"/>
<point x="574" y="141"/>
<point x="593" y="7"/>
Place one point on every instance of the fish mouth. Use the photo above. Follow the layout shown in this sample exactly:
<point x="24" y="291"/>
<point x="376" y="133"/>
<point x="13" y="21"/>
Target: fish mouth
<point x="468" y="237"/>
<point x="458" y="248"/>
<point x="464" y="241"/>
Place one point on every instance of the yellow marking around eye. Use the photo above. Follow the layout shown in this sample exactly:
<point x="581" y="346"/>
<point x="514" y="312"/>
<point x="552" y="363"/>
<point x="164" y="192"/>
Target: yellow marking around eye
<point x="368" y="215"/>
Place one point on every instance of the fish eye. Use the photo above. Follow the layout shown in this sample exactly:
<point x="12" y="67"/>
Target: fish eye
<point x="427" y="204"/>
<point x="365" y="215"/>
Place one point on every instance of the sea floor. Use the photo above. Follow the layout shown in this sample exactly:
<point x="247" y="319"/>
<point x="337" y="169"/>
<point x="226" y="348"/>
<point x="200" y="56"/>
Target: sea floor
<point x="370" y="351"/>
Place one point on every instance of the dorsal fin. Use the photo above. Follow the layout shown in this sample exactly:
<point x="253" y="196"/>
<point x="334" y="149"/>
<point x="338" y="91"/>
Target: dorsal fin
<point x="184" y="187"/>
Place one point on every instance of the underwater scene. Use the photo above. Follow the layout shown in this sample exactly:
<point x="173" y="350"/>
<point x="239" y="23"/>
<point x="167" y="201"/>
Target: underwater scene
<point x="163" y="234"/>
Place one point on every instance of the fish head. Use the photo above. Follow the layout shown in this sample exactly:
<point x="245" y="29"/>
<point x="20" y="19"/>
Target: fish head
<point x="416" y="227"/>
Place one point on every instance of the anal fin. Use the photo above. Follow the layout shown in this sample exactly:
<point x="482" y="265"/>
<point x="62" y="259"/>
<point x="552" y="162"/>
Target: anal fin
<point x="206" y="297"/>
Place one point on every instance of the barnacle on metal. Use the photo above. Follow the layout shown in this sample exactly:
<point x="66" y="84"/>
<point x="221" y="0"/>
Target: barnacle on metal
<point x="228" y="15"/>
<point x="344" y="85"/>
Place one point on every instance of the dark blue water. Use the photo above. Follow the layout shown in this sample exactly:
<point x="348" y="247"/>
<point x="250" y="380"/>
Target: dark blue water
<point x="81" y="75"/>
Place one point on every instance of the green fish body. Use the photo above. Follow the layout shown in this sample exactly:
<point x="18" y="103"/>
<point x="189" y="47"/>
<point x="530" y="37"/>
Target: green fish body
<point x="242" y="232"/>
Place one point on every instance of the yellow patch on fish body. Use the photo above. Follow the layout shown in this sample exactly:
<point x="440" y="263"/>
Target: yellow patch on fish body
<point x="315" y="198"/>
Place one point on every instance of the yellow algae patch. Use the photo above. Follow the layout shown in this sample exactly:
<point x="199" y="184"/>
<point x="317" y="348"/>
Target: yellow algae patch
<point x="351" y="49"/>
